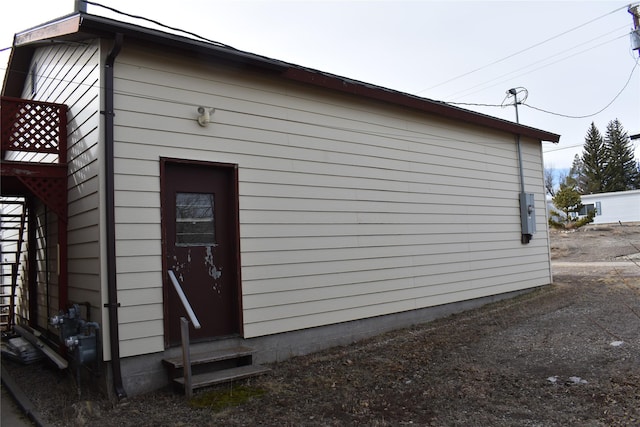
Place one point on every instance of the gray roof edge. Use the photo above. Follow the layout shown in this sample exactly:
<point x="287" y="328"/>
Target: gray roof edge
<point x="105" y="27"/>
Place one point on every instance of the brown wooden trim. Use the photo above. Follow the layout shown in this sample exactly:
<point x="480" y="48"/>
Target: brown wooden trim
<point x="47" y="181"/>
<point x="33" y="170"/>
<point x="192" y="162"/>
<point x="236" y="214"/>
<point x="329" y="81"/>
<point x="104" y="27"/>
<point x="165" y="267"/>
<point x="236" y="249"/>
<point x="63" y="27"/>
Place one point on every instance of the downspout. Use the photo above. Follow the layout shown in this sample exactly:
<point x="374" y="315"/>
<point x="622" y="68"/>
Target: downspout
<point x="112" y="286"/>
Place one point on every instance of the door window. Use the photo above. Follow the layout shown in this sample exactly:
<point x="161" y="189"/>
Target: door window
<point x="195" y="219"/>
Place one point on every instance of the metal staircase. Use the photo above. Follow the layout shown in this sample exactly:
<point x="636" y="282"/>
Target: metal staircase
<point x="12" y="226"/>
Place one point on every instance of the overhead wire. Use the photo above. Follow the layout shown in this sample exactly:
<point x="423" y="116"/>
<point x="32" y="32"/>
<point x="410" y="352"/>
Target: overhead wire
<point x="587" y="49"/>
<point x="523" y="50"/>
<point x="420" y="91"/>
<point x="564" y="148"/>
<point x="473" y="104"/>
<point x="473" y="71"/>
<point x="575" y="146"/>
<point x="597" y="112"/>
<point x="453" y="103"/>
<point x="404" y="136"/>
<point x="153" y="21"/>
<point x="447" y="102"/>
<point x="624" y="87"/>
<point x="524" y="103"/>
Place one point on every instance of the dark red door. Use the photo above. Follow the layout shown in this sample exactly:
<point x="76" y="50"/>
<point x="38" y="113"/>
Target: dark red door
<point x="199" y="219"/>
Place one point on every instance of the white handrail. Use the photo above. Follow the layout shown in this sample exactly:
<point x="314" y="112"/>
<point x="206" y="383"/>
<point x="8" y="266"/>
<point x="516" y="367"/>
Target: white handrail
<point x="183" y="298"/>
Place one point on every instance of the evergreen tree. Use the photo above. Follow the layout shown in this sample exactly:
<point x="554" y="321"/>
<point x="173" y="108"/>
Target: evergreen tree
<point x="568" y="201"/>
<point x="575" y="178"/>
<point x="620" y="168"/>
<point x="594" y="156"/>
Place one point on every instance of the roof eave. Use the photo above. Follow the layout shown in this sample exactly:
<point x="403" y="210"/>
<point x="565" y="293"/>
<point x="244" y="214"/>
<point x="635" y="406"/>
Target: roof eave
<point x="82" y="25"/>
<point x="439" y="108"/>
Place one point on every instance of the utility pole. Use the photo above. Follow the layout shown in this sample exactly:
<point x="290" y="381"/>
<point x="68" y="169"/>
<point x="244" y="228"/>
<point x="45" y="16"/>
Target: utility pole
<point x="634" y="10"/>
<point x="80" y="6"/>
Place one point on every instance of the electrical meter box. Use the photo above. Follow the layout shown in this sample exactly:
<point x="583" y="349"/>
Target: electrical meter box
<point x="527" y="214"/>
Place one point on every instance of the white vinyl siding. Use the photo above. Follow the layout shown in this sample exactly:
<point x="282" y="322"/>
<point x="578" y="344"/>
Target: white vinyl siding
<point x="81" y="94"/>
<point x="46" y="261"/>
<point x="69" y="73"/>
<point x="348" y="208"/>
<point x="621" y="206"/>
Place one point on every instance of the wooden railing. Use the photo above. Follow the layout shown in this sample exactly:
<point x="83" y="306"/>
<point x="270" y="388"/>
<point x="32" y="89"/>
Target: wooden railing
<point x="33" y="164"/>
<point x="33" y="126"/>
<point x="184" y="334"/>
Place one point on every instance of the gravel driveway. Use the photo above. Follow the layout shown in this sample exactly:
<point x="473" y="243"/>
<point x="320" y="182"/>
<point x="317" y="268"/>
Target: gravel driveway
<point x="566" y="354"/>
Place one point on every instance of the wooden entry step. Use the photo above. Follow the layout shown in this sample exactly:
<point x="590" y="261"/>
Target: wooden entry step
<point x="215" y="367"/>
<point x="223" y="376"/>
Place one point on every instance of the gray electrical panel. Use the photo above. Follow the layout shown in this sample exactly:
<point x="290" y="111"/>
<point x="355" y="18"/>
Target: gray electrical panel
<point x="527" y="216"/>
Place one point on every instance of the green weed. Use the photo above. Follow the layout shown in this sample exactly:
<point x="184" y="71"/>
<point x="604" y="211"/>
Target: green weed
<point x="220" y="399"/>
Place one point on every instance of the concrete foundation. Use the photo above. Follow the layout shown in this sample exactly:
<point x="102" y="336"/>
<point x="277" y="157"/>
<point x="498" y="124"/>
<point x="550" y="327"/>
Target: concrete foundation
<point x="141" y="374"/>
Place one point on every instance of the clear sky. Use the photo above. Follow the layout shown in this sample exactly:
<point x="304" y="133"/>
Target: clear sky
<point x="573" y="57"/>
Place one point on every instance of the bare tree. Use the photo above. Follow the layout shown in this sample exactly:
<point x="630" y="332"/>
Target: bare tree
<point x="549" y="181"/>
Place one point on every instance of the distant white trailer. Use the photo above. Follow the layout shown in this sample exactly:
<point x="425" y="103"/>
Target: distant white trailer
<point x="621" y="206"/>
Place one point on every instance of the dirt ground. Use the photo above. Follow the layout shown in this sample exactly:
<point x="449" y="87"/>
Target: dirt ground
<point x="566" y="354"/>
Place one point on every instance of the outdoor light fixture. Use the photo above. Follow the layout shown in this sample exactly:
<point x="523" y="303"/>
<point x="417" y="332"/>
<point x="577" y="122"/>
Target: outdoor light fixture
<point x="204" y="117"/>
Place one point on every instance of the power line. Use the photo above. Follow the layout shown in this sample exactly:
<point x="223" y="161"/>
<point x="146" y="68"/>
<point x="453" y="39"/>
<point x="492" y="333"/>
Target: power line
<point x="523" y="50"/>
<point x="153" y="21"/>
<point x="469" y="104"/>
<point x="472" y="104"/>
<point x="559" y="114"/>
<point x="564" y="58"/>
<point x="597" y="112"/>
<point x="452" y="103"/>
<point x="395" y="134"/>
<point x="563" y="148"/>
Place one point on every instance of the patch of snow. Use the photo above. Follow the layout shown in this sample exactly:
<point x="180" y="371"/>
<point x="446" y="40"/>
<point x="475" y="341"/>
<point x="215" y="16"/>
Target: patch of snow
<point x="577" y="380"/>
<point x="572" y="380"/>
